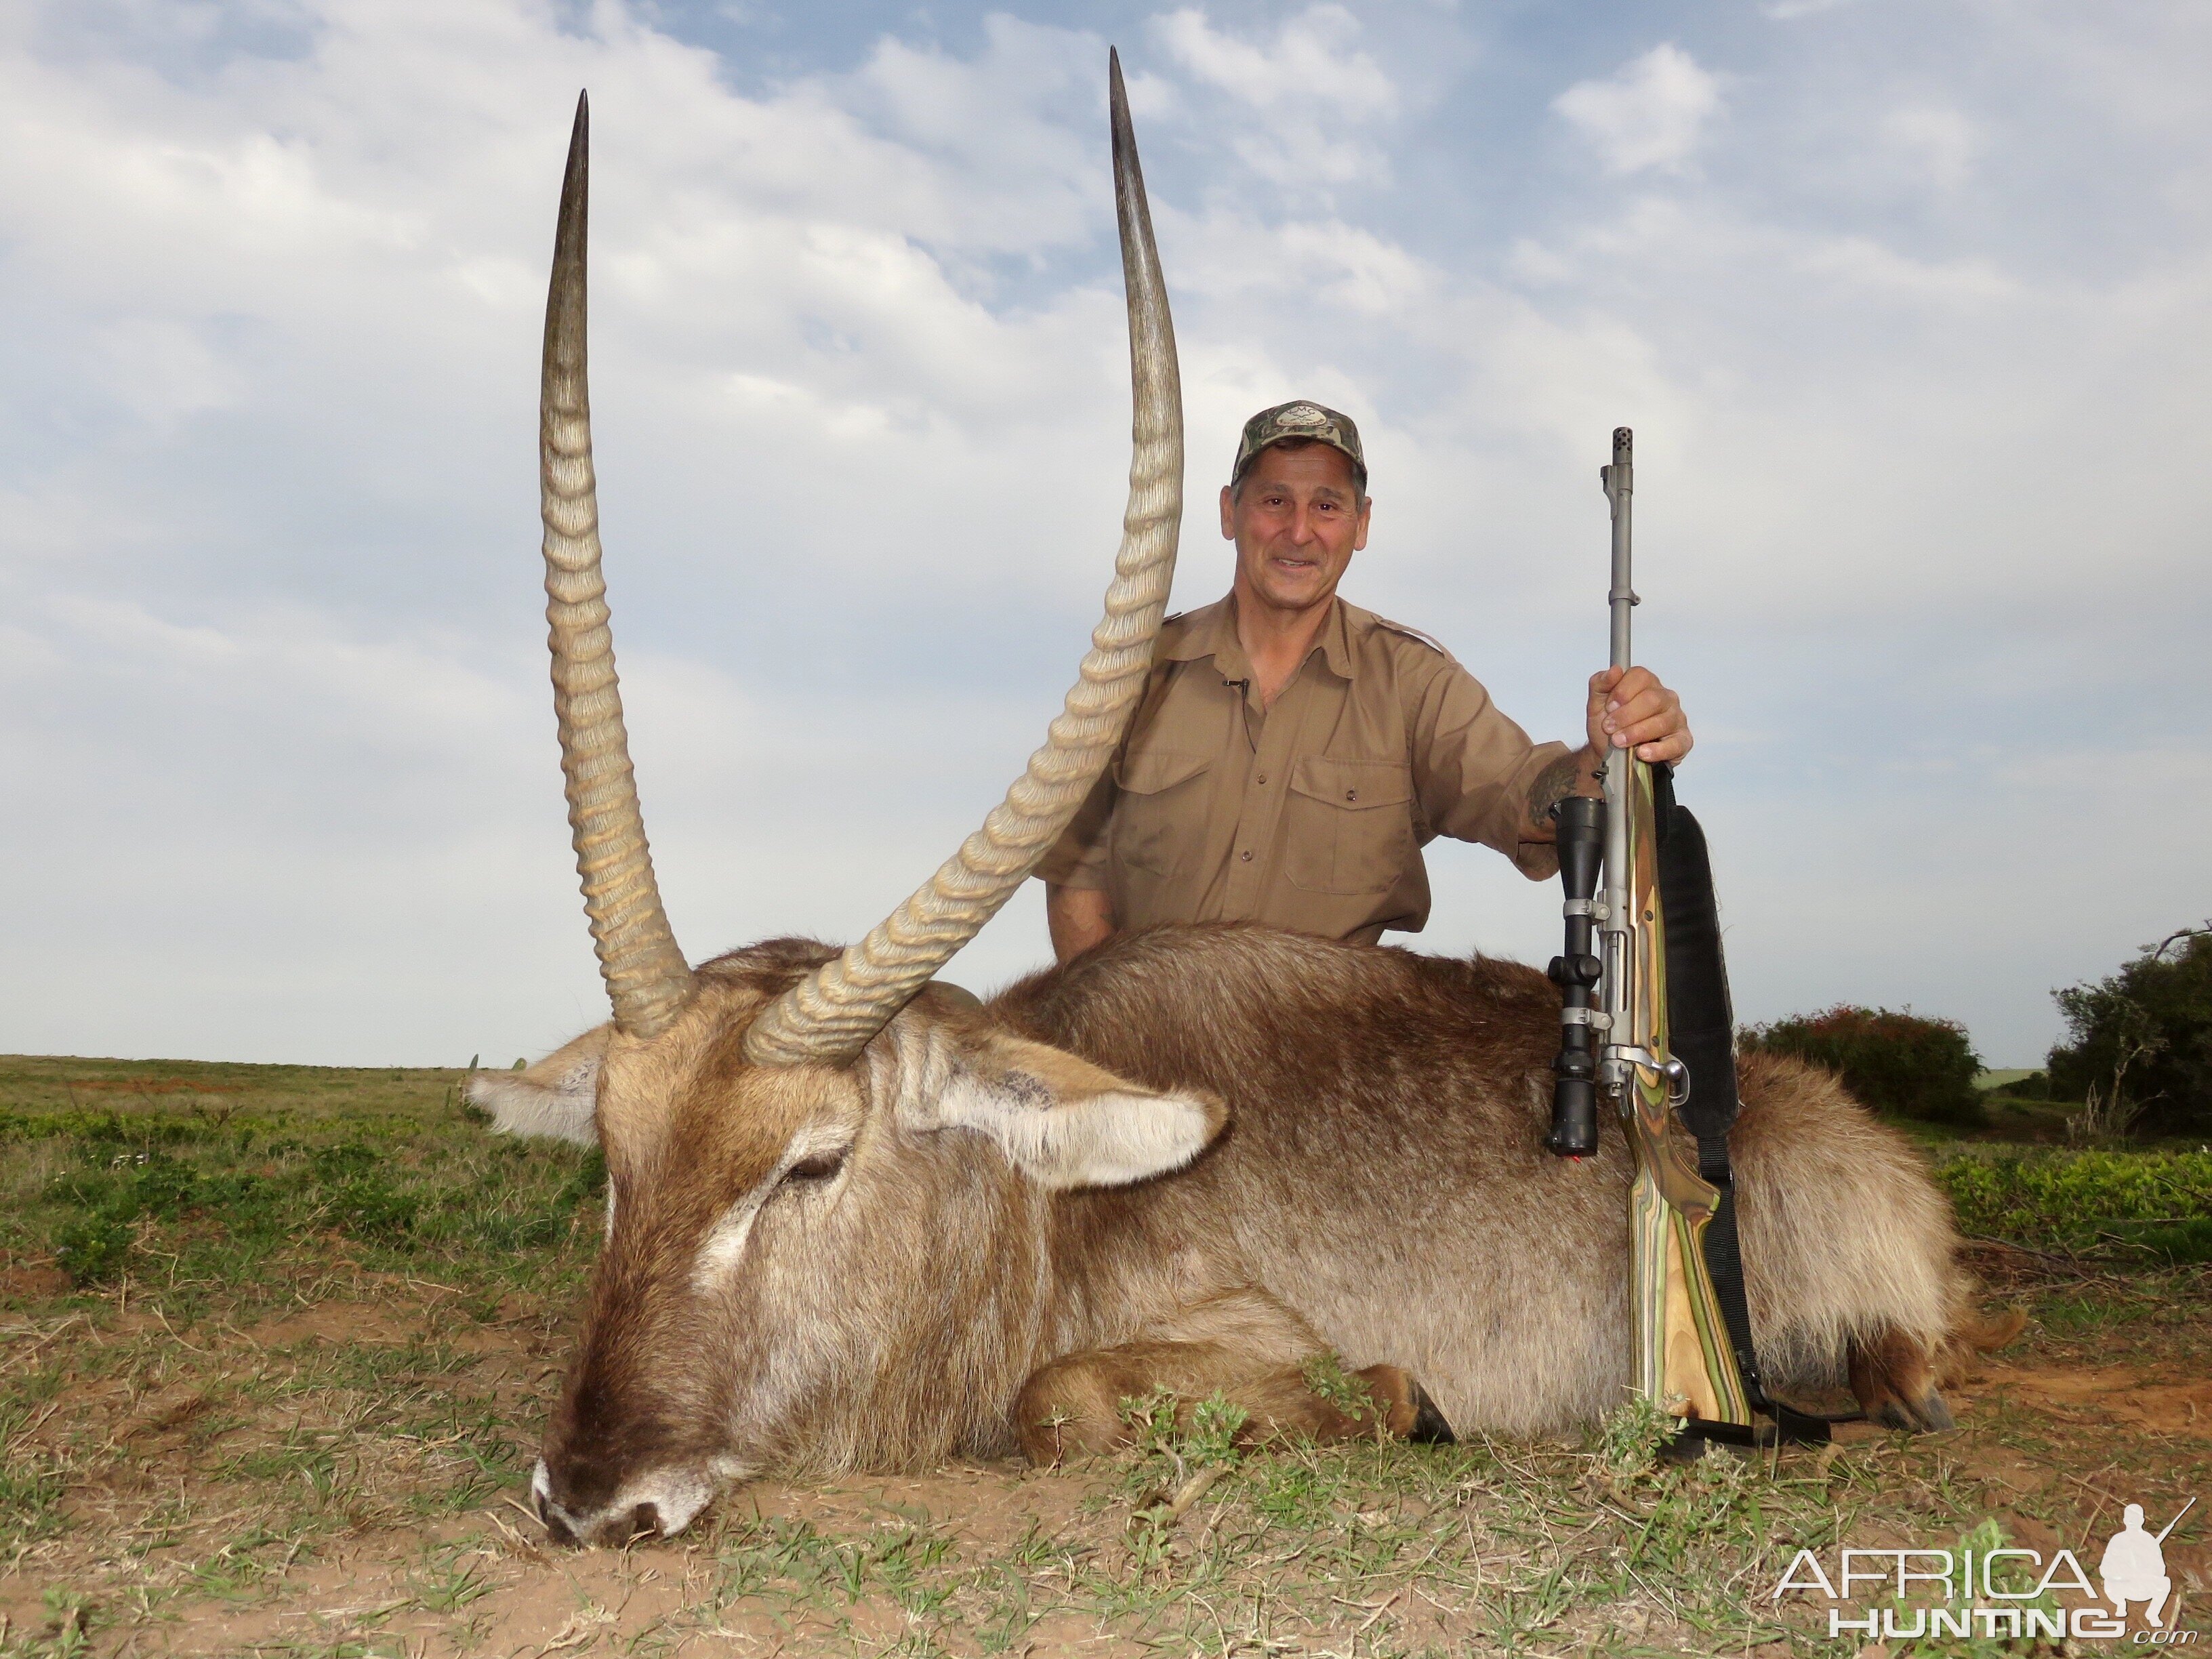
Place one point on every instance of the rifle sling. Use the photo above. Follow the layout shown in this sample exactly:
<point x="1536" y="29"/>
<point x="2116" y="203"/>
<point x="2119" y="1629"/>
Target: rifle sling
<point x="1701" y="1033"/>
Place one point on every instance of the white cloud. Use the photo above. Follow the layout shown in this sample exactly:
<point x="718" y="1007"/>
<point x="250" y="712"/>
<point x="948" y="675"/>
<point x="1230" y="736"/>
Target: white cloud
<point x="1940" y="143"/>
<point x="1311" y="60"/>
<point x="1908" y="510"/>
<point x="1649" y="114"/>
<point x="1343" y="265"/>
<point x="1307" y="93"/>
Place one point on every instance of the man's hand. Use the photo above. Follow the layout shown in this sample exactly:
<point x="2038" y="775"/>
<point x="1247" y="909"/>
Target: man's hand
<point x="1626" y="711"/>
<point x="1633" y="711"/>
<point x="1078" y="917"/>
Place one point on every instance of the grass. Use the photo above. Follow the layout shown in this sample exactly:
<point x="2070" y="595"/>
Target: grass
<point x="275" y="1346"/>
<point x="2154" y="1204"/>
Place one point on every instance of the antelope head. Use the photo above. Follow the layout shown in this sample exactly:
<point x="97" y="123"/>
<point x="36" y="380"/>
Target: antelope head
<point x="809" y="1151"/>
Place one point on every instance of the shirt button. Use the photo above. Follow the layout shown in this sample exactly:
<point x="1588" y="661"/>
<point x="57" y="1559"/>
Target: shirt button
<point x="1246" y="855"/>
<point x="1263" y="777"/>
<point x="1351" y="794"/>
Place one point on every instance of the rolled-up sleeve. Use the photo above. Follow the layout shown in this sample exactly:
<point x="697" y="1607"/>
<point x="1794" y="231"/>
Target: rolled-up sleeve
<point x="1473" y="768"/>
<point x="1078" y="858"/>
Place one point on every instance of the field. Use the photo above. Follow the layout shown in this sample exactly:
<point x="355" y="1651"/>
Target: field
<point x="276" y="1344"/>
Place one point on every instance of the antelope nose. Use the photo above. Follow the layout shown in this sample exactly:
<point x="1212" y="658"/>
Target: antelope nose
<point x="556" y="1524"/>
<point x="541" y="1499"/>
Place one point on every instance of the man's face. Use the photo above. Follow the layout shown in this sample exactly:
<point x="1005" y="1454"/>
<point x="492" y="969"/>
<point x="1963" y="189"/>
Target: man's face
<point x="1296" y="522"/>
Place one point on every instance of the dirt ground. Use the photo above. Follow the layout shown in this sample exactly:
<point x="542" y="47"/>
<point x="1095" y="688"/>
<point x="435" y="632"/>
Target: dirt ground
<point x="279" y="1487"/>
<point x="291" y="1409"/>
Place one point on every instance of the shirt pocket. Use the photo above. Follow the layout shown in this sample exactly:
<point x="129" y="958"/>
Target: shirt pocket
<point x="1348" y="824"/>
<point x="1159" y="823"/>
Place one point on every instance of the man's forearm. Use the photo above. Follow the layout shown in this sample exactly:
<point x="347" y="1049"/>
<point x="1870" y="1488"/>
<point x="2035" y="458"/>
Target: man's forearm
<point x="1079" y="917"/>
<point x="1575" y="774"/>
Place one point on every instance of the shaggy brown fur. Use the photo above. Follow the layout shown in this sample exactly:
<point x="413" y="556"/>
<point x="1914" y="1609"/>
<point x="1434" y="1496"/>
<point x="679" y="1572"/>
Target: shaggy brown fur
<point x="1380" y="1189"/>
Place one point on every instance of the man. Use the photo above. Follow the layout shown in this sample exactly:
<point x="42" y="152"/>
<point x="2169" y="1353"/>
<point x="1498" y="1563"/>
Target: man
<point x="2134" y="1568"/>
<point x="1292" y="753"/>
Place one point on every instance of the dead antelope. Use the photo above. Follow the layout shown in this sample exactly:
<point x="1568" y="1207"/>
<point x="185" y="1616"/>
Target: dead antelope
<point x="856" y="1220"/>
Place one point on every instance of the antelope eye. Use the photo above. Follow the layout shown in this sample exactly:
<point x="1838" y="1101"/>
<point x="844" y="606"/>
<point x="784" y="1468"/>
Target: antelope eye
<point x="818" y="1168"/>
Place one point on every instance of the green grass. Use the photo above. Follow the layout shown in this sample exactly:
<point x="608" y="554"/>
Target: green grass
<point x="2155" y="1204"/>
<point x="165" y="1171"/>
<point x="277" y="1343"/>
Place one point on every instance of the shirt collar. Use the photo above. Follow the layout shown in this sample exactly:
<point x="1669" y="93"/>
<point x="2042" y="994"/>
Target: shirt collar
<point x="1211" y="632"/>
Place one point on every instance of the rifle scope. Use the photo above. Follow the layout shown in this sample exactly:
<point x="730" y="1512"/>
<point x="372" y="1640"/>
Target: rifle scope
<point x="1581" y="824"/>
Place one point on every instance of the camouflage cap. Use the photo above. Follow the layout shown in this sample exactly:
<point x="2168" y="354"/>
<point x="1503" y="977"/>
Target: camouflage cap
<point x="1301" y="419"/>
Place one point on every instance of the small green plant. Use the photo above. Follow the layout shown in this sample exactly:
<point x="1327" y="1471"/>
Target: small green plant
<point x="30" y="1484"/>
<point x="1150" y="1419"/>
<point x="69" y="1623"/>
<point x="1197" y="1447"/>
<point x="1631" y="1438"/>
<point x="1325" y="1374"/>
<point x="1215" y="1424"/>
<point x="92" y="1250"/>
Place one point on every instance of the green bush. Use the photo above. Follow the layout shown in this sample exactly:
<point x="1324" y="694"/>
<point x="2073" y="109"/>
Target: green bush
<point x="370" y="1207"/>
<point x="91" y="1248"/>
<point x="2143" y="1036"/>
<point x="2156" y="1203"/>
<point x="347" y="1186"/>
<point x="1901" y="1064"/>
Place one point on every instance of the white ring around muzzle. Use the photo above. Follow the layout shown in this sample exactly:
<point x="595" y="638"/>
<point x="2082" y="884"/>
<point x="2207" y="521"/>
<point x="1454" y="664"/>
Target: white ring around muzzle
<point x="673" y="1496"/>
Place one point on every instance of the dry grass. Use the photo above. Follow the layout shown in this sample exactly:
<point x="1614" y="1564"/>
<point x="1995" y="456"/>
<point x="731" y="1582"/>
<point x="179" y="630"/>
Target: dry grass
<point x="291" y="1409"/>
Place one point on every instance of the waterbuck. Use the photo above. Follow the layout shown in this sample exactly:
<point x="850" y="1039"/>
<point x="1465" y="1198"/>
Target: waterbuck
<point x="857" y="1220"/>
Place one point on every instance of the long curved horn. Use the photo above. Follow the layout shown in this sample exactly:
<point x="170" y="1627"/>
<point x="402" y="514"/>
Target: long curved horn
<point x="648" y="979"/>
<point x="827" y="1017"/>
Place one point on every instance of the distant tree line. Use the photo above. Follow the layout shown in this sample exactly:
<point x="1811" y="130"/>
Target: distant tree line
<point x="2138" y="1050"/>
<point x="1905" y="1064"/>
<point x="2137" y="1054"/>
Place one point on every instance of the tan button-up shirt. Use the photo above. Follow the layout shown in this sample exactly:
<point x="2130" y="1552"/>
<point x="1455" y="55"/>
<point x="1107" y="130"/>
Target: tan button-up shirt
<point x="1311" y="815"/>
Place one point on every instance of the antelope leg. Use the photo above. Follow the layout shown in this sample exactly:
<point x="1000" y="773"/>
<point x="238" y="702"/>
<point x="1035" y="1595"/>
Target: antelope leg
<point x="1242" y="1346"/>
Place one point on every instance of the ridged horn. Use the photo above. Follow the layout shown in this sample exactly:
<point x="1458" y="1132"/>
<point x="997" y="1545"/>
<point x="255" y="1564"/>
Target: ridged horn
<point x="829" y="1018"/>
<point x="648" y="979"/>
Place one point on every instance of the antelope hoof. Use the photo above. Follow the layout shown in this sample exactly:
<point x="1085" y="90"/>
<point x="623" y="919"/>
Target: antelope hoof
<point x="1926" y="1415"/>
<point x="1408" y="1414"/>
<point x="1429" y="1427"/>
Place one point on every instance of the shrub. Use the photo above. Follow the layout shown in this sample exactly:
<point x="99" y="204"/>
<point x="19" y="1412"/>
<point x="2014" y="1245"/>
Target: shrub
<point x="2140" y="1041"/>
<point x="2159" y="1203"/>
<point x="92" y="1248"/>
<point x="370" y="1207"/>
<point x="1898" y="1063"/>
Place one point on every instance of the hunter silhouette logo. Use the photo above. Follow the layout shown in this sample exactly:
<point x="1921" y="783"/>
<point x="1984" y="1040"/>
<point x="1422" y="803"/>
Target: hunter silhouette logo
<point x="2134" y="1567"/>
<point x="1985" y="1590"/>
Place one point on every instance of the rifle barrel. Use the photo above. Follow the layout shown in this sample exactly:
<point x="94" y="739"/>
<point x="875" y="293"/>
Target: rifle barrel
<point x="1620" y="480"/>
<point x="2176" y="1521"/>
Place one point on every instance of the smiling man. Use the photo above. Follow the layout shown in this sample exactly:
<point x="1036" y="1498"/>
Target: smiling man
<point x="1292" y="753"/>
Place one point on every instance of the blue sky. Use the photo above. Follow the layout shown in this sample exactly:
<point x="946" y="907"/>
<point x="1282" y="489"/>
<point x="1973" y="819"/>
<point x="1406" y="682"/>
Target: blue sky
<point x="1910" y="306"/>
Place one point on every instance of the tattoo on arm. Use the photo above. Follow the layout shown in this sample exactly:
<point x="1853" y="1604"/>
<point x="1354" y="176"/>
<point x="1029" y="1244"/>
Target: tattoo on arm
<point x="1553" y="785"/>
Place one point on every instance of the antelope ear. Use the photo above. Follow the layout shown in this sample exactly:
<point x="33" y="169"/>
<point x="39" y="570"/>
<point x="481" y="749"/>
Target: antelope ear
<point x="1065" y="1122"/>
<point x="554" y="1099"/>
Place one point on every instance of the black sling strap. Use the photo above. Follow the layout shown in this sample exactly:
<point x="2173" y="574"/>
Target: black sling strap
<point x="1701" y="1033"/>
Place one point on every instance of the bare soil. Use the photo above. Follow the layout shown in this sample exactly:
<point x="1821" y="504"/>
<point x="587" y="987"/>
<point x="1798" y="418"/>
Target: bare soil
<point x="310" y="1433"/>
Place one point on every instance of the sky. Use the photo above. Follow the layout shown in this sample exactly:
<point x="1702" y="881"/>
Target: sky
<point x="1909" y="305"/>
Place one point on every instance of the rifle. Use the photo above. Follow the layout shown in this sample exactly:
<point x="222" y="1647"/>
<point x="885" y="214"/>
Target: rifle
<point x="1692" y="1350"/>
